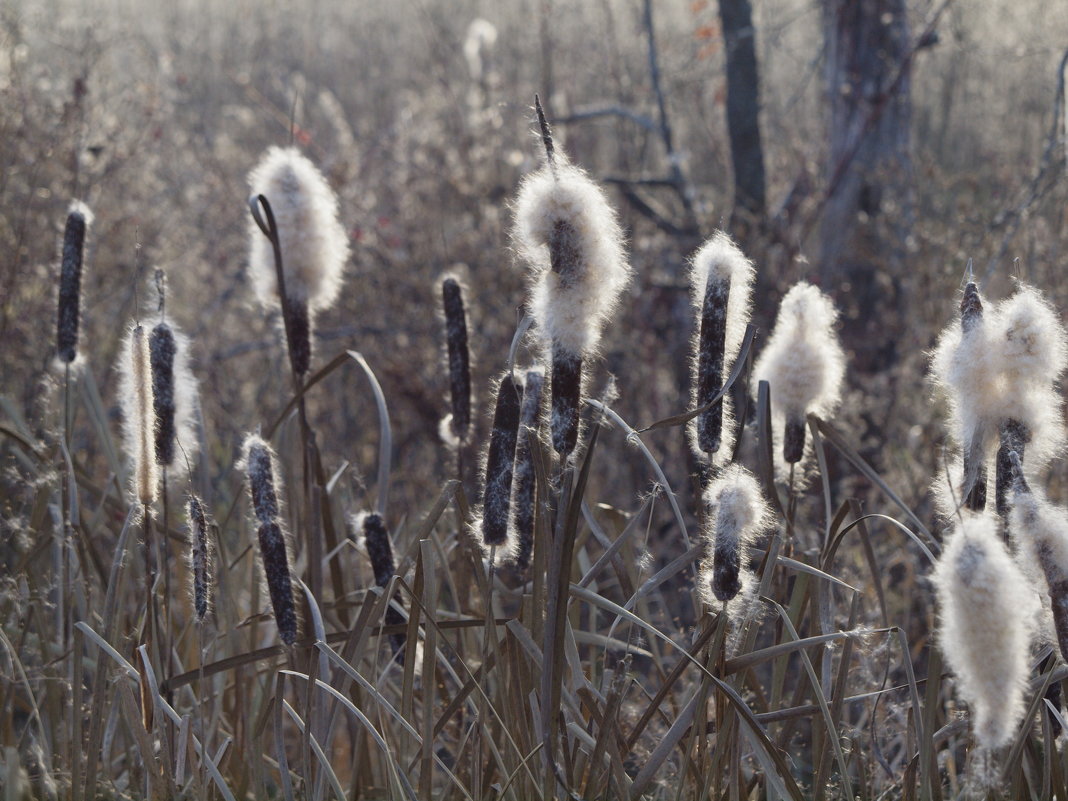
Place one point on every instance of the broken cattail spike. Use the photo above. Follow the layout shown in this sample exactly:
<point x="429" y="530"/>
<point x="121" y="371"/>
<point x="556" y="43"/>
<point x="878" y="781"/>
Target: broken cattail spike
<point x="459" y="357"/>
<point x="161" y="349"/>
<point x="566" y="397"/>
<point x="70" y="282"/>
<point x="971" y="307"/>
<point x="500" y="461"/>
<point x="710" y="358"/>
<point x="524" y="480"/>
<point x="279" y="584"/>
<point x="200" y="557"/>
<point x="793" y="443"/>
<point x="261" y="481"/>
<point x="1014" y="436"/>
<point x="546" y="133"/>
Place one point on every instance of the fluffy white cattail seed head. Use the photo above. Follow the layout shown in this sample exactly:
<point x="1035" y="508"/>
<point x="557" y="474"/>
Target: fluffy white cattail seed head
<point x="1031" y="342"/>
<point x="721" y="259"/>
<point x="138" y="415"/>
<point x="988" y="611"/>
<point x="572" y="243"/>
<point x="313" y="242"/>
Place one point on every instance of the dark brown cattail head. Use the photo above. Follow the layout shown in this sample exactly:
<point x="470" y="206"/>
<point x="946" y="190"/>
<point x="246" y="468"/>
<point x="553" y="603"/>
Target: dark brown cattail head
<point x="710" y="357"/>
<point x="793" y="443"/>
<point x="161" y="349"/>
<point x="500" y="460"/>
<point x="199" y="557"/>
<point x="275" y="558"/>
<point x="379" y="549"/>
<point x="971" y="308"/>
<point x="459" y="358"/>
<point x="566" y="399"/>
<point x="298" y="330"/>
<point x="70" y="281"/>
<point x="259" y="463"/>
<point x="523" y="480"/>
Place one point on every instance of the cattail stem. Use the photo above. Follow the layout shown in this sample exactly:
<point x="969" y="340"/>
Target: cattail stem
<point x="500" y="462"/>
<point x="1014" y="436"/>
<point x="459" y="358"/>
<point x="524" y="480"/>
<point x="710" y="362"/>
<point x="566" y="398"/>
<point x="793" y="442"/>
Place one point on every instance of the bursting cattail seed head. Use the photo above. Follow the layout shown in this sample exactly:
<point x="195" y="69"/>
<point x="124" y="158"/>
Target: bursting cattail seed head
<point x="312" y="241"/>
<point x="79" y="218"/>
<point x="987" y="610"/>
<point x="138" y="415"/>
<point x="200" y="557"/>
<point x="721" y="283"/>
<point x="458" y="424"/>
<point x="174" y="396"/>
<point x="500" y="461"/>
<point x="803" y="363"/>
<point x="524" y="480"/>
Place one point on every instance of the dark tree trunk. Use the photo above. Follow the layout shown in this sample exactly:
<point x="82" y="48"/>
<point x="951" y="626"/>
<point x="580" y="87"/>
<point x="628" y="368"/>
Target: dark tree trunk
<point x="743" y="112"/>
<point x="867" y="217"/>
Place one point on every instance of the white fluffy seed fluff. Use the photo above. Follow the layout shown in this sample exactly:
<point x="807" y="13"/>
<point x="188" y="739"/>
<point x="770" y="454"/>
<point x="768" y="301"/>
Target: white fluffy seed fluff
<point x="570" y="309"/>
<point x="987" y="612"/>
<point x="313" y="241"/>
<point x="138" y="415"/>
<point x="1004" y="368"/>
<point x="803" y="362"/>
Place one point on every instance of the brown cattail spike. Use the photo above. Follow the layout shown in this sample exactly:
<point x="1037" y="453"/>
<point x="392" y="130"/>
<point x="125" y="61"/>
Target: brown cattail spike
<point x="726" y="569"/>
<point x="793" y="442"/>
<point x="565" y="252"/>
<point x="299" y="333"/>
<point x="500" y="461"/>
<point x="279" y="584"/>
<point x="380" y="551"/>
<point x="161" y="349"/>
<point x="710" y="362"/>
<point x="459" y="357"/>
<point x="523" y="481"/>
<point x="261" y="483"/>
<point x="70" y="284"/>
<point x="971" y="308"/>
<point x="1014" y="437"/>
<point x="971" y="316"/>
<point x="546" y="133"/>
<point x="199" y="557"/>
<point x="566" y="397"/>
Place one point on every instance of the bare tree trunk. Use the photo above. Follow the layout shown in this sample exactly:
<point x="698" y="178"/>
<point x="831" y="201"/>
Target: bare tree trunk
<point x="743" y="113"/>
<point x="868" y="213"/>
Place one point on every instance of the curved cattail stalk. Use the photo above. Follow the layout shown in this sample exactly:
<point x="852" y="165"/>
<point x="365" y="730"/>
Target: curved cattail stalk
<point x="988" y="610"/>
<point x="304" y="251"/>
<point x="459" y="421"/>
<point x="500" y="461"/>
<point x="737" y="514"/>
<point x="139" y="417"/>
<point x="803" y="363"/>
<point x="380" y="551"/>
<point x="524" y="480"/>
<point x="200" y="557"/>
<point x="79" y="218"/>
<point x="259" y="463"/>
<point x="573" y="245"/>
<point x="721" y="280"/>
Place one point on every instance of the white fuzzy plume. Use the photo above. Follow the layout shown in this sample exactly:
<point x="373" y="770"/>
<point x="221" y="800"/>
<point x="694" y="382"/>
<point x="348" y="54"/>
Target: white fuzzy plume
<point x="988" y="611"/>
<point x="138" y="415"/>
<point x="803" y="361"/>
<point x="313" y="242"/>
<point x="561" y="203"/>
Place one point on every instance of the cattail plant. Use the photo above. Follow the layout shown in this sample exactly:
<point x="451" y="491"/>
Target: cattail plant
<point x="304" y="266"/>
<point x="573" y="245"/>
<point x="987" y="610"/>
<point x="721" y="280"/>
<point x="456" y="426"/>
<point x="260" y="465"/>
<point x="79" y="218"/>
<point x="803" y="363"/>
<point x="737" y="513"/>
<point x="372" y="529"/>
<point x="523" y="479"/>
<point x="174" y="396"/>
<point x="200" y="560"/>
<point x="139" y="416"/>
<point x="500" y="461"/>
